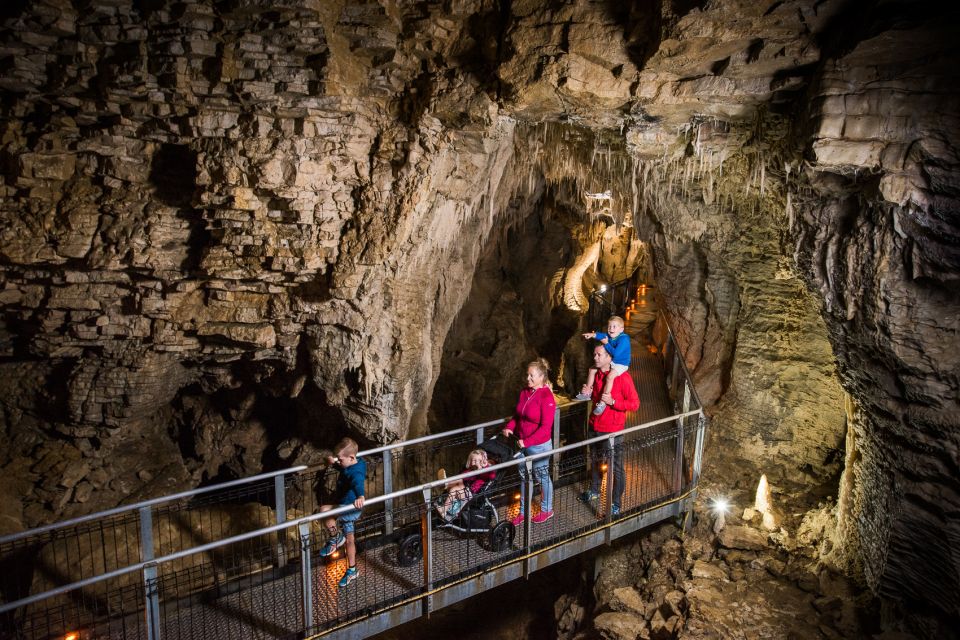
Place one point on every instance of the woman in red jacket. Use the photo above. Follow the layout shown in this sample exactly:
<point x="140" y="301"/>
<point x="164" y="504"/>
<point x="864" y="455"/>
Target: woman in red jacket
<point x="533" y="423"/>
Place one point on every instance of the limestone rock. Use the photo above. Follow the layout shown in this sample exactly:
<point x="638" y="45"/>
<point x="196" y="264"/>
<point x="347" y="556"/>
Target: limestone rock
<point x="741" y="537"/>
<point x="627" y="599"/>
<point x="619" y="626"/>
<point x="708" y="570"/>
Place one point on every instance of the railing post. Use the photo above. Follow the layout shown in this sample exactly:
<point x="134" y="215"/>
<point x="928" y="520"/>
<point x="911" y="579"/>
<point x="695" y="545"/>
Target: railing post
<point x="479" y="436"/>
<point x="426" y="536"/>
<point x="280" y="503"/>
<point x="675" y="374"/>
<point x="698" y="447"/>
<point x="555" y="460"/>
<point x="527" y="488"/>
<point x="678" y="463"/>
<point x="306" y="575"/>
<point x="388" y="489"/>
<point x="611" y="452"/>
<point x="150" y="583"/>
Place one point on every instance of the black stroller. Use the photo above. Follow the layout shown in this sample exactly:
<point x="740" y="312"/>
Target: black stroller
<point x="477" y="516"/>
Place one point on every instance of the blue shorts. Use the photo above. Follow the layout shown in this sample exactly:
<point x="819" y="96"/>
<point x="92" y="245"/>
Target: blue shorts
<point x="347" y="519"/>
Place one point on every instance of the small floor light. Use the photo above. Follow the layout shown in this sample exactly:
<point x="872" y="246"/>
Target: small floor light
<point x="719" y="507"/>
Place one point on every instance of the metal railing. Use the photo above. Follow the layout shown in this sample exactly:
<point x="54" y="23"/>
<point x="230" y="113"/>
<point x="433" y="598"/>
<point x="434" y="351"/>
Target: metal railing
<point x="284" y="587"/>
<point x="97" y="544"/>
<point x="610" y="299"/>
<point x="177" y="563"/>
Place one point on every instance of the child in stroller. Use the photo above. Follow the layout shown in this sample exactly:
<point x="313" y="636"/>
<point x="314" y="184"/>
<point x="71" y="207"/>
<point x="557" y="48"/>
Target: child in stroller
<point x="467" y="507"/>
<point x="459" y="493"/>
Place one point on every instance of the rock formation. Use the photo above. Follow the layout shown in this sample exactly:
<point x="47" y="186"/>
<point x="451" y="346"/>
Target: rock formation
<point x="230" y="231"/>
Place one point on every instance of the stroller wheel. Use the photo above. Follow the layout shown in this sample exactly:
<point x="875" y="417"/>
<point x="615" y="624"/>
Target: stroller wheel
<point x="409" y="551"/>
<point x="501" y="536"/>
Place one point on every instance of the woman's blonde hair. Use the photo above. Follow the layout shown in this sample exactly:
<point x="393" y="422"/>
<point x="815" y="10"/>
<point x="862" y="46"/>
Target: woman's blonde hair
<point x="541" y="365"/>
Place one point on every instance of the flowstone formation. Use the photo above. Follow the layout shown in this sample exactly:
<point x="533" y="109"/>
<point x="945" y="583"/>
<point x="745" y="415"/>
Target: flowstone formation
<point x="233" y="232"/>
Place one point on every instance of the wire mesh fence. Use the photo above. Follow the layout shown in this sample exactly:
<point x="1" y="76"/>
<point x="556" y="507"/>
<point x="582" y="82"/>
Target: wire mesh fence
<point x="276" y="584"/>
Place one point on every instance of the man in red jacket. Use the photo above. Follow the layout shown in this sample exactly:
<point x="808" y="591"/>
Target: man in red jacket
<point x="621" y="399"/>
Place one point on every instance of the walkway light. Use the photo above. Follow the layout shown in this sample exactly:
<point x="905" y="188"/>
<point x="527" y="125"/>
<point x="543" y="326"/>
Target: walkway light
<point x="72" y="635"/>
<point x="602" y="288"/>
<point x="719" y="505"/>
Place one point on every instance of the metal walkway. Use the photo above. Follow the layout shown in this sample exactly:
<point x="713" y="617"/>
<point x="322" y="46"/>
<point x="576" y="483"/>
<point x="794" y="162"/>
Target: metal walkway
<point x="252" y="578"/>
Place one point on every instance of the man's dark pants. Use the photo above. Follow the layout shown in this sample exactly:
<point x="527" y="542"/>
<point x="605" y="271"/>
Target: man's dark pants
<point x="598" y="454"/>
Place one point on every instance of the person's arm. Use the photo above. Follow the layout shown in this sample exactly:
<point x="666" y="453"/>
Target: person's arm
<point x="548" y="410"/>
<point x="358" y="482"/>
<point x="625" y="394"/>
<point x="511" y="426"/>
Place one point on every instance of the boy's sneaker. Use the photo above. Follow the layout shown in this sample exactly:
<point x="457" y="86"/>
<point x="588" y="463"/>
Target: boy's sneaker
<point x="599" y="407"/>
<point x="517" y="520"/>
<point x="332" y="545"/>
<point x="543" y="516"/>
<point x="583" y="396"/>
<point x="589" y="496"/>
<point x="615" y="510"/>
<point x="349" y="576"/>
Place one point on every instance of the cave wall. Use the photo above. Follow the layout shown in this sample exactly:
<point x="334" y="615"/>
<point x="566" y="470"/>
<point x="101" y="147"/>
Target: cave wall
<point x="877" y="237"/>
<point x="230" y="230"/>
<point x="210" y="210"/>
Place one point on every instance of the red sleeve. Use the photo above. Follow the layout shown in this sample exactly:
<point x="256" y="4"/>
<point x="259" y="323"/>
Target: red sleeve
<point x="628" y="399"/>
<point x="548" y="409"/>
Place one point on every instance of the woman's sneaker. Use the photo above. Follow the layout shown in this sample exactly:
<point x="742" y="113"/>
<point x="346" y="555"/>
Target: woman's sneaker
<point x="349" y="576"/>
<point x="517" y="520"/>
<point x="332" y="545"/>
<point x="543" y="516"/>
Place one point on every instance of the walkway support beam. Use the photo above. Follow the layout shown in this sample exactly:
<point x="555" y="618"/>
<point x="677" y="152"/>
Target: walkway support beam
<point x="555" y="461"/>
<point x="426" y="537"/>
<point x="151" y="591"/>
<point x="306" y="575"/>
<point x="388" y="489"/>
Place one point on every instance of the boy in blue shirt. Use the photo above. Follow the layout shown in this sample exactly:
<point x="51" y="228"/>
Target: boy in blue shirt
<point x="350" y="490"/>
<point x="617" y="344"/>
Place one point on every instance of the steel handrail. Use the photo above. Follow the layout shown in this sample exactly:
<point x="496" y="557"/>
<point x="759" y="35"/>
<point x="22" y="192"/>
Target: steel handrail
<point x="13" y="537"/>
<point x="435" y="436"/>
<point x="326" y="514"/>
<point x="146" y="503"/>
<point x="681" y="360"/>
